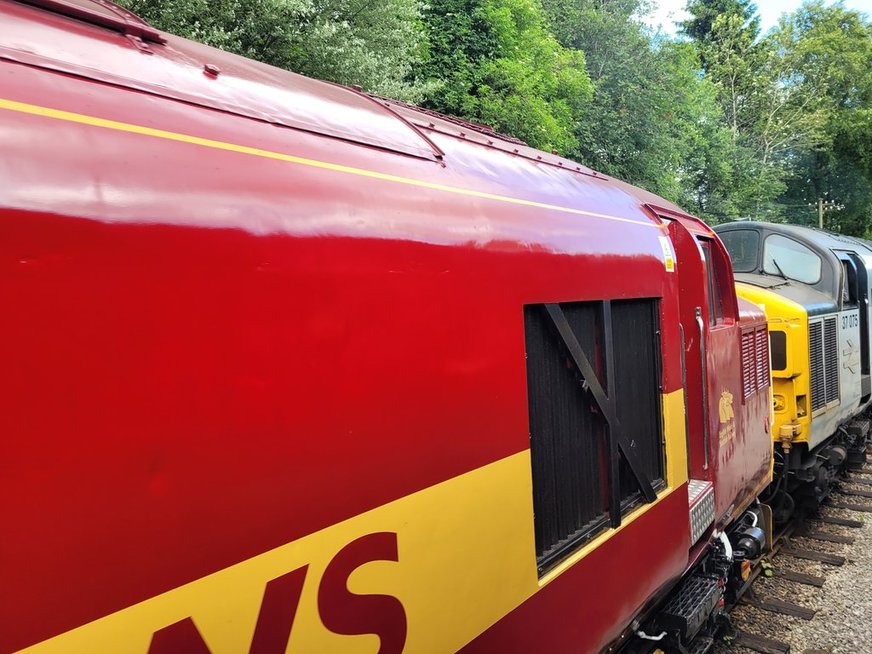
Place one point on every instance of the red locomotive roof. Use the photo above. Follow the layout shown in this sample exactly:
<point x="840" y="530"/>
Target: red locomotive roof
<point x="96" y="44"/>
<point x="190" y="72"/>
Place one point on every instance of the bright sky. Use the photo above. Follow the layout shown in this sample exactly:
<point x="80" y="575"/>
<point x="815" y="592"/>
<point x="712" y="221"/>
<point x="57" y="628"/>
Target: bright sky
<point x="669" y="11"/>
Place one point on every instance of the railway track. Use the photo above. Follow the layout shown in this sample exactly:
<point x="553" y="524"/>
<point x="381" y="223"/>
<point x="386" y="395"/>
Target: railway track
<point x="790" y="586"/>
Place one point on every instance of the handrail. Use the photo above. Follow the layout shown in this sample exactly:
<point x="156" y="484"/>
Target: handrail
<point x="704" y="371"/>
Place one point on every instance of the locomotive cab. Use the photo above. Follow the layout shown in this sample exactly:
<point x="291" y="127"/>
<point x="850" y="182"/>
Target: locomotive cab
<point x="726" y="382"/>
<point x="812" y="287"/>
<point x="727" y="372"/>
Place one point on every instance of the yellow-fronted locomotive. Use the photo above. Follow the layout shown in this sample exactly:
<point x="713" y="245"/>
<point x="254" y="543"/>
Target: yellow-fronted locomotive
<point x="814" y="287"/>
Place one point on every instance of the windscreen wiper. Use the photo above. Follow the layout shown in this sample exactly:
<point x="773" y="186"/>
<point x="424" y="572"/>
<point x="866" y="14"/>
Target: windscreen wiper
<point x="780" y="272"/>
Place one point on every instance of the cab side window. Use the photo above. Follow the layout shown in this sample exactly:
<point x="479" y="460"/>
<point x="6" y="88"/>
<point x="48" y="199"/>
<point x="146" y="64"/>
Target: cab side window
<point x="715" y="294"/>
<point x="742" y="244"/>
<point x="849" y="284"/>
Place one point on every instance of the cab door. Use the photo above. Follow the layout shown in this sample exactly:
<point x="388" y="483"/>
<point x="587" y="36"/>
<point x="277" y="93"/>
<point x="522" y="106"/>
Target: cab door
<point x="857" y="286"/>
<point x="723" y="361"/>
<point x="713" y="361"/>
<point x="693" y="285"/>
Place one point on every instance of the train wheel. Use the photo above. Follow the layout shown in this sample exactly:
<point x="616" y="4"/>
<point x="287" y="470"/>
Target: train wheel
<point x="783" y="506"/>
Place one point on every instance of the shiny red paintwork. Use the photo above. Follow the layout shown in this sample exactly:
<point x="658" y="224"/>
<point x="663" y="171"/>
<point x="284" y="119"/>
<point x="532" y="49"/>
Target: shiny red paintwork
<point x="738" y="467"/>
<point x="209" y="353"/>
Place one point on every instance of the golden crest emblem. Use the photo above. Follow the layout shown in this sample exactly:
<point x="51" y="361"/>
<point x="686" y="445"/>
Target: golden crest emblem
<point x="725" y="408"/>
<point x="725" y="411"/>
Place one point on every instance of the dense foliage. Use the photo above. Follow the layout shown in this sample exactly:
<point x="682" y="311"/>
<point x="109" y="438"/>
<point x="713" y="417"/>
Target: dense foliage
<point x="496" y="62"/>
<point x="726" y="121"/>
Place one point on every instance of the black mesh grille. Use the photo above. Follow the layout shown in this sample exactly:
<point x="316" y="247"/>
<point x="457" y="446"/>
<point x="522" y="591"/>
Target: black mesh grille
<point x="816" y="356"/>
<point x="566" y="435"/>
<point x="569" y="436"/>
<point x="691" y="605"/>
<point x="637" y="383"/>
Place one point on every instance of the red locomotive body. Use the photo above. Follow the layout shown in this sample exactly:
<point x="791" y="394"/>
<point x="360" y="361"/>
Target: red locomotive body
<point x="270" y="353"/>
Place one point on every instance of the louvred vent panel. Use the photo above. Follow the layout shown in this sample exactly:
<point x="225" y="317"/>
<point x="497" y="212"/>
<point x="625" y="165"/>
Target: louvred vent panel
<point x="755" y="361"/>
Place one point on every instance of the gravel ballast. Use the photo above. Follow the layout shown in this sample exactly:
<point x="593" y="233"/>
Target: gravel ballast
<point x="843" y="620"/>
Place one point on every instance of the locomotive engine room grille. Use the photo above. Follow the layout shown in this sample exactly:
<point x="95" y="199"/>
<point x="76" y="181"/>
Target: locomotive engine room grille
<point x="823" y="340"/>
<point x="755" y="361"/>
<point x="593" y="385"/>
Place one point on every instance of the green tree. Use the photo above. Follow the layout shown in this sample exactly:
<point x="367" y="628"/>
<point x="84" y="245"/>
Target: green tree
<point x="828" y="51"/>
<point x="746" y="74"/>
<point x="704" y="13"/>
<point x="702" y="169"/>
<point x="653" y="121"/>
<point x="495" y="62"/>
<point x="853" y="140"/>
<point x="792" y="101"/>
